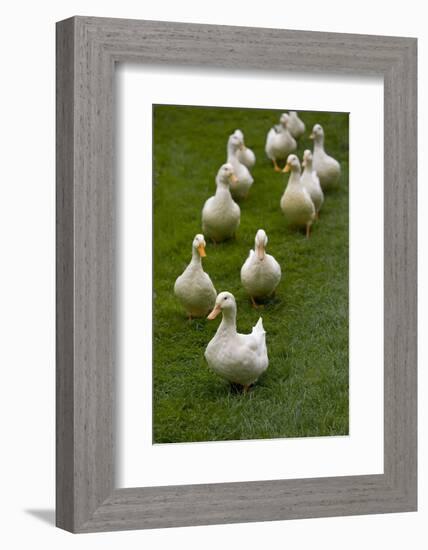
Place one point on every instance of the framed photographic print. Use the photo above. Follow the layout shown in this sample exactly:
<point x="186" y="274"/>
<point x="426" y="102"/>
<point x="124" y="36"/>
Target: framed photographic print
<point x="236" y="274"/>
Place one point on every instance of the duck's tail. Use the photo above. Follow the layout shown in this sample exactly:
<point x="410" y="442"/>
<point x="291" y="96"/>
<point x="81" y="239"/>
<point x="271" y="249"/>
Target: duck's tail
<point x="258" y="328"/>
<point x="259" y="335"/>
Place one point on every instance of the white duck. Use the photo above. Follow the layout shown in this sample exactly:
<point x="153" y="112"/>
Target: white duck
<point x="220" y="214"/>
<point x="194" y="287"/>
<point x="296" y="203"/>
<point x="311" y="182"/>
<point x="245" y="154"/>
<point x="261" y="273"/>
<point x="279" y="142"/>
<point x="296" y="126"/>
<point x="327" y="168"/>
<point x="239" y="358"/>
<point x="244" y="180"/>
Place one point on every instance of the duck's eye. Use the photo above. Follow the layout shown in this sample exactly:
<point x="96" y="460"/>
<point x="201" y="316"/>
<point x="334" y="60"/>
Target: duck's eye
<point x="225" y="298"/>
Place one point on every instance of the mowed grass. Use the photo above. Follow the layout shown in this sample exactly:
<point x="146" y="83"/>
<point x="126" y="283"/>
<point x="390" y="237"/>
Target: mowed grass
<point x="304" y="391"/>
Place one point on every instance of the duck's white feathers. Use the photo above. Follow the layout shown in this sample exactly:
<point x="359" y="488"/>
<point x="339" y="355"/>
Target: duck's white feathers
<point x="240" y="188"/>
<point x="195" y="290"/>
<point x="220" y="216"/>
<point x="244" y="179"/>
<point x="245" y="156"/>
<point x="260" y="277"/>
<point x="279" y="143"/>
<point x="311" y="183"/>
<point x="295" y="125"/>
<point x="296" y="203"/>
<point x="326" y="167"/>
<point x="239" y="358"/>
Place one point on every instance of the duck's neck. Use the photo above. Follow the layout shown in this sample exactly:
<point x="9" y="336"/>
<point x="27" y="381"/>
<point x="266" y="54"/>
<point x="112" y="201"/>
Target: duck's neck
<point x="294" y="178"/>
<point x="308" y="167"/>
<point x="232" y="155"/>
<point x="319" y="143"/>
<point x="196" y="259"/>
<point x="223" y="190"/>
<point x="231" y="150"/>
<point x="228" y="323"/>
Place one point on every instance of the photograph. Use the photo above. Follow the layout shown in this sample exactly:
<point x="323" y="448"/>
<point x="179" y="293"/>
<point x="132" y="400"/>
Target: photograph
<point x="250" y="273"/>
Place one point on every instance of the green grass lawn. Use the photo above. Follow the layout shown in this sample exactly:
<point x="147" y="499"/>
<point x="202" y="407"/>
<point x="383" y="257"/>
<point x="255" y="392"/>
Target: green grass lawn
<point x="304" y="391"/>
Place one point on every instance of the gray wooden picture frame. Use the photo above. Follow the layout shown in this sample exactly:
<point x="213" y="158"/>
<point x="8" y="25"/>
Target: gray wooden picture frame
<point x="87" y="50"/>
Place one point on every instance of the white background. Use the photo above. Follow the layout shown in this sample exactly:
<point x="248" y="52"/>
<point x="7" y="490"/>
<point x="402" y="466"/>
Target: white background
<point x="362" y="451"/>
<point x="27" y="286"/>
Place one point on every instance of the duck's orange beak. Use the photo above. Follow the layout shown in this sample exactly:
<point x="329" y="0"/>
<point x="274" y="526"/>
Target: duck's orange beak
<point x="214" y="312"/>
<point x="312" y="136"/>
<point x="201" y="250"/>
<point x="287" y="168"/>
<point x="233" y="178"/>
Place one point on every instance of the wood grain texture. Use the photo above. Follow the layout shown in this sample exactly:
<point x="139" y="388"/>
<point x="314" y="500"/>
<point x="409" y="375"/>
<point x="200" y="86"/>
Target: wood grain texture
<point x="87" y="50"/>
<point x="64" y="276"/>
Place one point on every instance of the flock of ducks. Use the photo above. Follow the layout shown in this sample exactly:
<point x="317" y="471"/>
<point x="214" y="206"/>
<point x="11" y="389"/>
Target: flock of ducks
<point x="242" y="358"/>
